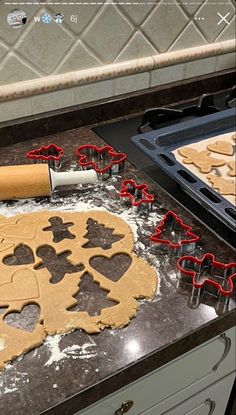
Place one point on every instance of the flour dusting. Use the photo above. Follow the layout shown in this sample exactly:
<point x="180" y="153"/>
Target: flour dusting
<point x="84" y="351"/>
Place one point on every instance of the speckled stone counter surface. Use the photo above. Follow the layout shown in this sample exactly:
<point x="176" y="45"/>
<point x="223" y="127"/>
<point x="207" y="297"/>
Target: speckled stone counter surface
<point x="68" y="373"/>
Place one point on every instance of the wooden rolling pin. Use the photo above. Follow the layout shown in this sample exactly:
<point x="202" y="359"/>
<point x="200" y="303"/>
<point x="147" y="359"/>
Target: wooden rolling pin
<point x="19" y="182"/>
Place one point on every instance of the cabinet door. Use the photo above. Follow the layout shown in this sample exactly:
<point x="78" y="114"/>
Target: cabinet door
<point x="174" y="382"/>
<point x="211" y="401"/>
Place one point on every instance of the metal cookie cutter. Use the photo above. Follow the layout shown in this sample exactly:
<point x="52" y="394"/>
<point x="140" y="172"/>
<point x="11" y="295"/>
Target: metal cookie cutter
<point x="178" y="238"/>
<point x="207" y="276"/>
<point x="104" y="160"/>
<point x="50" y="154"/>
<point x="136" y="195"/>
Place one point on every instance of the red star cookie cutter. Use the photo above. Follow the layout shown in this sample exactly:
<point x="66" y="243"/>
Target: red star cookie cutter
<point x="102" y="159"/>
<point x="50" y="154"/>
<point x="136" y="194"/>
<point x="187" y="244"/>
<point x="207" y="271"/>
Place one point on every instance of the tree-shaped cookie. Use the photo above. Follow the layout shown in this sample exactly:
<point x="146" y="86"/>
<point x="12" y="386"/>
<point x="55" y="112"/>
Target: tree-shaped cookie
<point x="225" y="187"/>
<point x="201" y="159"/>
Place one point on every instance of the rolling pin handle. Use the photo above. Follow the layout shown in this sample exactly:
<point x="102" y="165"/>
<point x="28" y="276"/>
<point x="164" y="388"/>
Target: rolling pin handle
<point x="72" y="177"/>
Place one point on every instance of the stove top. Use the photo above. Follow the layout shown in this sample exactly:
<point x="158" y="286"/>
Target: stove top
<point x="207" y="104"/>
<point x="118" y="135"/>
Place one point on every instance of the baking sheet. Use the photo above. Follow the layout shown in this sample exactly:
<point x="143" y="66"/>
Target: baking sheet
<point x="161" y="144"/>
<point x="221" y="171"/>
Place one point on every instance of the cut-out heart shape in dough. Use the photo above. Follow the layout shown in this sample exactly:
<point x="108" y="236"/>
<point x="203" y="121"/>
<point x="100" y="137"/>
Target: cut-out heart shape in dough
<point x="24" y="320"/>
<point x="23" y="254"/>
<point x="24" y="228"/>
<point x="23" y="286"/>
<point x="222" y="147"/>
<point x="112" y="268"/>
<point x="5" y="245"/>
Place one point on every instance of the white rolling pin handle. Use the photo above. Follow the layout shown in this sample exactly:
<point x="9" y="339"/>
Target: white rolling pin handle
<point x="72" y="177"/>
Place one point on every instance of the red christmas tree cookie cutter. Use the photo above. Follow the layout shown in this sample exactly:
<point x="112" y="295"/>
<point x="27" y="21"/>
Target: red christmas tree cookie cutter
<point x="187" y="244"/>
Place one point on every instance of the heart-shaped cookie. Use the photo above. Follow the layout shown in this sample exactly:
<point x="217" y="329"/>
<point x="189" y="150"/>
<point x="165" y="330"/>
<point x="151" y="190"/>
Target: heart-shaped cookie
<point x="24" y="228"/>
<point x="112" y="268"/>
<point x="221" y="147"/>
<point x="5" y="245"/>
<point x="24" y="320"/>
<point x="23" y="286"/>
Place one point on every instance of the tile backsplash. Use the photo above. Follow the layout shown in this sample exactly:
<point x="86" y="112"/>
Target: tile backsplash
<point x="94" y="34"/>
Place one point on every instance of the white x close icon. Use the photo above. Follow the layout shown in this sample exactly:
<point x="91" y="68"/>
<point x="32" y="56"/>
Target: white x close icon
<point x="223" y="18"/>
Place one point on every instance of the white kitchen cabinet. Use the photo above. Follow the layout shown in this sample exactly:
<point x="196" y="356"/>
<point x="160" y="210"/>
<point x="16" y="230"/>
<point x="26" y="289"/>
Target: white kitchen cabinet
<point x="211" y="401"/>
<point x="176" y="381"/>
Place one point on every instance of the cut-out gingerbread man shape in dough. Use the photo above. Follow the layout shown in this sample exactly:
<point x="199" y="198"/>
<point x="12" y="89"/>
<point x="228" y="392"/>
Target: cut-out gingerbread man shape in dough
<point x="225" y="187"/>
<point x="232" y="168"/>
<point x="200" y="159"/>
<point x="57" y="264"/>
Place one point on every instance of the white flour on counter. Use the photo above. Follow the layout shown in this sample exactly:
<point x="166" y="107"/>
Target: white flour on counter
<point x="84" y="351"/>
<point x="18" y="379"/>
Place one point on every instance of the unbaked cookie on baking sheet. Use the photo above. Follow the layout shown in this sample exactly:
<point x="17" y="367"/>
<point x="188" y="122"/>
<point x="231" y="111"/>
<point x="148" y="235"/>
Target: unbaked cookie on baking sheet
<point x="61" y="271"/>
<point x="213" y="161"/>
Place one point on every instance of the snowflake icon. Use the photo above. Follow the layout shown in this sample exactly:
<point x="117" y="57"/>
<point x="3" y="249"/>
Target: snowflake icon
<point x="46" y="18"/>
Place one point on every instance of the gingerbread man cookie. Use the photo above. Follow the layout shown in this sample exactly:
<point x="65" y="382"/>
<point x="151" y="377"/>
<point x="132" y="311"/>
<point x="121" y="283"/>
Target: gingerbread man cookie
<point x="232" y="166"/>
<point x="225" y="187"/>
<point x="200" y="159"/>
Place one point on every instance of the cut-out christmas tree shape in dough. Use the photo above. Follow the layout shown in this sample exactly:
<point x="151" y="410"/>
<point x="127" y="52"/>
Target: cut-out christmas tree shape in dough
<point x="91" y="297"/>
<point x="120" y="279"/>
<point x="59" y="229"/>
<point x="23" y="286"/>
<point x="100" y="235"/>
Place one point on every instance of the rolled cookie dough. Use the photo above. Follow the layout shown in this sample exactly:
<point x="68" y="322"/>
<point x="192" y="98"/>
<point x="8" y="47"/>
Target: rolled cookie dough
<point x="29" y="284"/>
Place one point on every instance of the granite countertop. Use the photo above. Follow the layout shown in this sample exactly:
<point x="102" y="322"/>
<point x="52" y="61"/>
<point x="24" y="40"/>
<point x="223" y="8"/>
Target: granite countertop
<point x="70" y="372"/>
